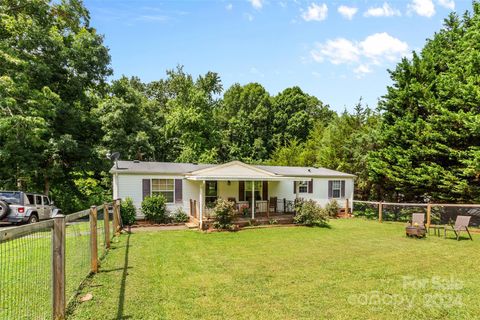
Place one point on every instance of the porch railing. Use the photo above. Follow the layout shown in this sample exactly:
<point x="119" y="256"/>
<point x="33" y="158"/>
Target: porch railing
<point x="281" y="206"/>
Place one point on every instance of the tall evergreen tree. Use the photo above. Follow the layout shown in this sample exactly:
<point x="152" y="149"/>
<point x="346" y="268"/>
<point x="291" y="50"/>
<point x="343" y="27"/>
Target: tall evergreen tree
<point x="430" y="138"/>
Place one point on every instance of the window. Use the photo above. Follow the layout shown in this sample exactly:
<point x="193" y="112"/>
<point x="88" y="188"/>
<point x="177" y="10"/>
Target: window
<point x="258" y="190"/>
<point x="38" y="199"/>
<point x="30" y="198"/>
<point x="10" y="197"/>
<point x="165" y="187"/>
<point x="45" y="201"/>
<point x="302" y="186"/>
<point x="210" y="193"/>
<point x="336" y="188"/>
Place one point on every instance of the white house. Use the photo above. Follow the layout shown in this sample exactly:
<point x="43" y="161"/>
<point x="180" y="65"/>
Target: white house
<point x="254" y="188"/>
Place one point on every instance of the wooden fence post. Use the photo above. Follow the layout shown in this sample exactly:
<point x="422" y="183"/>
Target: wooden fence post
<point x="380" y="208"/>
<point x="58" y="268"/>
<point x="429" y="213"/>
<point x="106" y="220"/>
<point x="119" y="218"/>
<point x="347" y="209"/>
<point x="115" y="217"/>
<point x="93" y="240"/>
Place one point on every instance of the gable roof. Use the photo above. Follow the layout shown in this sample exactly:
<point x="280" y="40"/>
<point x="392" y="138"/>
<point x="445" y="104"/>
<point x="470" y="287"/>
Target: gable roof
<point x="202" y="170"/>
<point x="232" y="170"/>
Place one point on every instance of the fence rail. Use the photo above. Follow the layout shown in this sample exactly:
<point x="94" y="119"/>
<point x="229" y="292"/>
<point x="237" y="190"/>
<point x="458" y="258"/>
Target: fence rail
<point x="436" y="213"/>
<point x="42" y="265"/>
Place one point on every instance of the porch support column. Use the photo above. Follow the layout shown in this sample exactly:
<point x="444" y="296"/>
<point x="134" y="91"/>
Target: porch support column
<point x="296" y="190"/>
<point x="201" y="202"/>
<point x="253" y="199"/>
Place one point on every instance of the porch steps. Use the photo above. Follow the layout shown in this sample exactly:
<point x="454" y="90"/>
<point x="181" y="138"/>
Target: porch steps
<point x="191" y="225"/>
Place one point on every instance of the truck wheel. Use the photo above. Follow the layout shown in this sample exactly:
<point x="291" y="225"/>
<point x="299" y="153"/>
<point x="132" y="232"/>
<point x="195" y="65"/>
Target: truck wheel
<point x="3" y="209"/>
<point x="33" y="218"/>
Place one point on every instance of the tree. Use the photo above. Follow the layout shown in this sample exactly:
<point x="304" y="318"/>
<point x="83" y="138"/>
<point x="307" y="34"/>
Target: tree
<point x="51" y="65"/>
<point x="245" y="119"/>
<point x="125" y="120"/>
<point x="430" y="135"/>
<point x="295" y="113"/>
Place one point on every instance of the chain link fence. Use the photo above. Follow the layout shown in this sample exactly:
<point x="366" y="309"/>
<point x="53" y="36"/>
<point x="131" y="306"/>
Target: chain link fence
<point x="26" y="257"/>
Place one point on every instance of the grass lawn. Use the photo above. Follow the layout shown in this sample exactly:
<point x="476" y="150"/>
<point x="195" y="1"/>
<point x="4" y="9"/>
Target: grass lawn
<point x="357" y="269"/>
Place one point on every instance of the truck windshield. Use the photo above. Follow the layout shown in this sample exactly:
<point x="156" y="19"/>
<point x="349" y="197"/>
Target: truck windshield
<point x="10" y="197"/>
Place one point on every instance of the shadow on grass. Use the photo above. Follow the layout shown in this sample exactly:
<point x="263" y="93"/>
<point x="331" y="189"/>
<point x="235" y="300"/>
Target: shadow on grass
<point x="121" y="296"/>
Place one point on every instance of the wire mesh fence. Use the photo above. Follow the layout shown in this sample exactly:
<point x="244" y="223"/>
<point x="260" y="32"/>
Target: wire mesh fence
<point x="26" y="262"/>
<point x="440" y="214"/>
<point x="25" y="274"/>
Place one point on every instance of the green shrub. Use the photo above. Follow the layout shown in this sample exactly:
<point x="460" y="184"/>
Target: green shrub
<point x="128" y="212"/>
<point x="223" y="212"/>
<point x="154" y="209"/>
<point x="332" y="208"/>
<point x="309" y="213"/>
<point x="180" y="216"/>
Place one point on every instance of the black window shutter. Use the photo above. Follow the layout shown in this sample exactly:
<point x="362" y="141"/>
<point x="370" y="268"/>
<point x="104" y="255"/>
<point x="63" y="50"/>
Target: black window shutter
<point x="330" y="189"/>
<point x="310" y="186"/>
<point x="178" y="190"/>
<point x="265" y="190"/>
<point x="294" y="187"/>
<point x="145" y="188"/>
<point x="342" y="190"/>
<point x="241" y="190"/>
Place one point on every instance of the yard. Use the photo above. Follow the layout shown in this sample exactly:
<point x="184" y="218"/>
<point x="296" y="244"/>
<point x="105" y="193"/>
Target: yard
<point x="356" y="269"/>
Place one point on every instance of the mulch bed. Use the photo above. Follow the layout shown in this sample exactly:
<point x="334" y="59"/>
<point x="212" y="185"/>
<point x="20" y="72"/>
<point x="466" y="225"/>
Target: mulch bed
<point x="145" y="223"/>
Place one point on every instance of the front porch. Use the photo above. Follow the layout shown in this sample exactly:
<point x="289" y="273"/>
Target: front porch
<point x="262" y="212"/>
<point x="256" y="194"/>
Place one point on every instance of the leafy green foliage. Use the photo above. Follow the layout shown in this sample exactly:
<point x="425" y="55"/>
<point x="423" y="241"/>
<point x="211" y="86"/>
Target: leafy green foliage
<point x="51" y="65"/>
<point x="430" y="136"/>
<point x="128" y="212"/>
<point x="180" y="216"/>
<point x="154" y="209"/>
<point x="332" y="208"/>
<point x="223" y="212"/>
<point x="309" y="213"/>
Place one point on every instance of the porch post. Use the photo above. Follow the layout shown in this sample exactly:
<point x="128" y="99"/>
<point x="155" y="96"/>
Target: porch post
<point x="200" y="202"/>
<point x="253" y="199"/>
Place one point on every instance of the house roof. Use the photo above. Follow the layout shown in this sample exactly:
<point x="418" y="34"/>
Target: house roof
<point x="218" y="170"/>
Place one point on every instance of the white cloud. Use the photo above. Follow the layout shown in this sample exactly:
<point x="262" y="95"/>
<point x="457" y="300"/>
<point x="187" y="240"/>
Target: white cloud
<point x="336" y="51"/>
<point x="257" y="4"/>
<point x="347" y="12"/>
<point x="229" y="6"/>
<point x="381" y="46"/>
<point x="362" y="69"/>
<point x="375" y="49"/>
<point x="449" y="4"/>
<point x="424" y="8"/>
<point x="384" y="11"/>
<point x="315" y="12"/>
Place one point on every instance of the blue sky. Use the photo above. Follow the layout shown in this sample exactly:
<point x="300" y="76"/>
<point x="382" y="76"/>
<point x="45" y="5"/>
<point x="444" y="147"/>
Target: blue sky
<point x="335" y="50"/>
